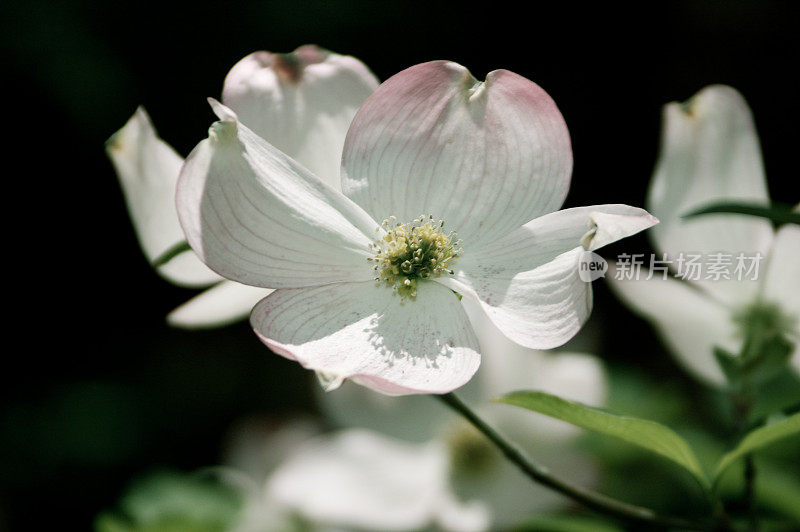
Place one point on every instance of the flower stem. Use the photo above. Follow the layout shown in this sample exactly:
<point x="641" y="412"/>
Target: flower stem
<point x="591" y="499"/>
<point x="749" y="491"/>
<point x="742" y="405"/>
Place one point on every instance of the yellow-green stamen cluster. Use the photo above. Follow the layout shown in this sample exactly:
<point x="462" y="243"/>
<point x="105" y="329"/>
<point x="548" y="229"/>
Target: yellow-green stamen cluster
<point x="412" y="251"/>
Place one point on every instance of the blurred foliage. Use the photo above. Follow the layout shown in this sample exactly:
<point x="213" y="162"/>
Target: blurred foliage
<point x="566" y="523"/>
<point x="173" y="502"/>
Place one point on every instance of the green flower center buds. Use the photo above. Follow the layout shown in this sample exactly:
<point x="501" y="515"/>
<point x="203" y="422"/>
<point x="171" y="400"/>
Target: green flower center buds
<point x="412" y="251"/>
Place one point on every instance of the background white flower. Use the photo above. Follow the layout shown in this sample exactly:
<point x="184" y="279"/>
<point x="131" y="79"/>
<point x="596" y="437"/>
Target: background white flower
<point x="485" y="158"/>
<point x="710" y="152"/>
<point x="302" y="102"/>
<point x="299" y="478"/>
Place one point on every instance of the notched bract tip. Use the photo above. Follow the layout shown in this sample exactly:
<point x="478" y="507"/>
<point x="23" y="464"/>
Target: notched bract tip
<point x="227" y="124"/>
<point x="329" y="381"/>
<point x="477" y="90"/>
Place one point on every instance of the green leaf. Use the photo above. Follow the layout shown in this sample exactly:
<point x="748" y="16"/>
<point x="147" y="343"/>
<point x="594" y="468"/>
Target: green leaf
<point x="173" y="502"/>
<point x="773" y="356"/>
<point x="728" y="363"/>
<point x="565" y="523"/>
<point x="171" y="253"/>
<point x="644" y="433"/>
<point x="779" y="491"/>
<point x="759" y="438"/>
<point x="779" y="214"/>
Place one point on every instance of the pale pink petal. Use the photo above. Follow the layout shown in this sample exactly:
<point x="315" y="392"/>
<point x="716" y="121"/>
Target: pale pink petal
<point x="301" y="102"/>
<point x="365" y="332"/>
<point x="486" y="157"/>
<point x="225" y="303"/>
<point x="710" y="153"/>
<point x="358" y="478"/>
<point x="689" y="321"/>
<point x="256" y="216"/>
<point x="528" y="282"/>
<point x="148" y="169"/>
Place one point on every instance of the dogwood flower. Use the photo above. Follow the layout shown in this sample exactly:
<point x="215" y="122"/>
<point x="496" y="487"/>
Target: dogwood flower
<point x="302" y="102"/>
<point x="449" y="184"/>
<point x="709" y="153"/>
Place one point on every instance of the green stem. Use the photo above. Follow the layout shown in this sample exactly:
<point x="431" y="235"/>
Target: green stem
<point x="742" y="402"/>
<point x="591" y="499"/>
<point x="171" y="253"/>
<point x="749" y="491"/>
<point x="779" y="214"/>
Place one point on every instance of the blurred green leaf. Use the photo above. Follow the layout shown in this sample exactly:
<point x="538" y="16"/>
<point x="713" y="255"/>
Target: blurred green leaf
<point x="173" y="502"/>
<point x="779" y="214"/>
<point x="779" y="394"/>
<point x="728" y="363"/>
<point x="565" y="523"/>
<point x="644" y="433"/>
<point x="758" y="439"/>
<point x="772" y="357"/>
<point x="779" y="491"/>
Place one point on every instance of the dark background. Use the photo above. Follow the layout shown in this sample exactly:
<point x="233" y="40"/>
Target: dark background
<point x="94" y="386"/>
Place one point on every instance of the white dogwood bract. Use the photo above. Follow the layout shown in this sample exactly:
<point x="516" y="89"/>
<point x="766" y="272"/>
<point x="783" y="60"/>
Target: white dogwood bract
<point x="148" y="172"/>
<point x="438" y="169"/>
<point x="710" y="153"/>
<point x="302" y="102"/>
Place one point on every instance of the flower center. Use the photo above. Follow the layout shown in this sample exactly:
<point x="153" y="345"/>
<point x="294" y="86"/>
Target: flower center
<point x="412" y="251"/>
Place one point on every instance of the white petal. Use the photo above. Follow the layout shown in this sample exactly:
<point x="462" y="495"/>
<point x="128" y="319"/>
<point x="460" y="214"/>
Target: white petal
<point x="689" y="321"/>
<point x="225" y="303"/>
<point x="259" y="514"/>
<point x="365" y="332"/>
<point x="710" y="153"/>
<point x="362" y="479"/>
<point x="486" y="157"/>
<point x="454" y="516"/>
<point x="255" y="216"/>
<point x="782" y="275"/>
<point x="782" y="279"/>
<point x="301" y="102"/>
<point x="148" y="169"/>
<point x="528" y="282"/>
